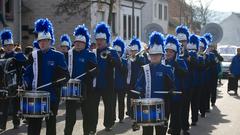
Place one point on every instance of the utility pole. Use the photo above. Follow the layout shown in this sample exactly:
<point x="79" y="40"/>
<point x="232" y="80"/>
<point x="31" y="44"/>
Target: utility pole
<point x="133" y="18"/>
<point x="180" y="15"/>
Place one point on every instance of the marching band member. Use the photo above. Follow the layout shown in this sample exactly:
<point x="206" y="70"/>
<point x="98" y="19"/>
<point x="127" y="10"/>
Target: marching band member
<point x="182" y="34"/>
<point x="193" y="66"/>
<point x="80" y="60"/>
<point x="46" y="65"/>
<point x="180" y="70"/>
<point x="107" y="60"/>
<point x="155" y="77"/>
<point x="8" y="45"/>
<point x="212" y="72"/>
<point x="65" y="44"/>
<point x="203" y="76"/>
<point x="134" y="65"/>
<point x="120" y="79"/>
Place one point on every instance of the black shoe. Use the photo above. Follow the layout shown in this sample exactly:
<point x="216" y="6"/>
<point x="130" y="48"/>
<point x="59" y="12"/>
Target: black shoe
<point x="135" y="127"/>
<point x="185" y="132"/>
<point x="16" y="127"/>
<point x="203" y="116"/>
<point x="108" y="129"/>
<point x="213" y="104"/>
<point x="120" y="121"/>
<point x="194" y="124"/>
<point x="170" y="131"/>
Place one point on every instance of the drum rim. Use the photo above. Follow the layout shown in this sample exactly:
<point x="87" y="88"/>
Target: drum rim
<point x="35" y="116"/>
<point x="1" y="90"/>
<point x="150" y="101"/>
<point x="152" y="124"/>
<point x="33" y="94"/>
<point x="71" y="98"/>
<point x="74" y="81"/>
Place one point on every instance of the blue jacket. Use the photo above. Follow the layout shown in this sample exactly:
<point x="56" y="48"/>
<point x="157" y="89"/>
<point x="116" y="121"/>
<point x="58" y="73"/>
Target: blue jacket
<point x="121" y="76"/>
<point x="81" y="62"/>
<point x="135" y="70"/>
<point x="235" y="65"/>
<point x="104" y="79"/>
<point x="212" y="67"/>
<point x="180" y="71"/>
<point x="49" y="64"/>
<point x="160" y="77"/>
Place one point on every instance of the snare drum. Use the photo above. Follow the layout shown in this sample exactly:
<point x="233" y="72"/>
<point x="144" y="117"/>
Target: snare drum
<point x="3" y="94"/>
<point x="149" y="111"/>
<point x="72" y="91"/>
<point x="35" y="104"/>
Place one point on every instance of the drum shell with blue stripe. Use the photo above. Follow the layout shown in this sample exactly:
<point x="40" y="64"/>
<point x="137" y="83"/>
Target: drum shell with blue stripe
<point x="35" y="104"/>
<point x="149" y="111"/>
<point x="72" y="91"/>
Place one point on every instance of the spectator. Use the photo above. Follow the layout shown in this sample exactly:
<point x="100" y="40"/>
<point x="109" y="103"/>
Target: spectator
<point x="235" y="66"/>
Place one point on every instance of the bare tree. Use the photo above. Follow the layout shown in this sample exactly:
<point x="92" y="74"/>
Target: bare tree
<point x="80" y="7"/>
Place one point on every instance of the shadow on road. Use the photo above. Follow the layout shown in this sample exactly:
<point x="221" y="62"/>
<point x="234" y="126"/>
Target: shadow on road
<point x="207" y="125"/>
<point x="119" y="128"/>
<point x="22" y="129"/>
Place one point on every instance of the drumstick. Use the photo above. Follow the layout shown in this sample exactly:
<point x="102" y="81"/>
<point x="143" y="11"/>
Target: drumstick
<point x="137" y="92"/>
<point x="84" y="73"/>
<point x="45" y="85"/>
<point x="166" y="92"/>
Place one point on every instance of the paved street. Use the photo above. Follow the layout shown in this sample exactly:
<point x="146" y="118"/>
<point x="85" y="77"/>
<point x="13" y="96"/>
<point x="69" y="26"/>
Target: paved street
<point x="224" y="119"/>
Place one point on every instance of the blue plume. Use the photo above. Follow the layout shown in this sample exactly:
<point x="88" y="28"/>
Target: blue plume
<point x="35" y="44"/>
<point x="183" y="29"/>
<point x="83" y="30"/>
<point x="136" y="41"/>
<point x="65" y="37"/>
<point x="194" y="40"/>
<point x="6" y="34"/>
<point x="204" y="41"/>
<point x="156" y="38"/>
<point x="44" y="25"/>
<point x="172" y="39"/>
<point x="209" y="37"/>
<point x="119" y="42"/>
<point x="102" y="27"/>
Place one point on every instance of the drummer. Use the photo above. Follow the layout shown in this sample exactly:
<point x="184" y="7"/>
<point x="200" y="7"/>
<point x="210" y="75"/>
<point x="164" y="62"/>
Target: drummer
<point x="180" y="70"/>
<point x="46" y="65"/>
<point x="155" y="77"/>
<point x="8" y="45"/>
<point x="80" y="60"/>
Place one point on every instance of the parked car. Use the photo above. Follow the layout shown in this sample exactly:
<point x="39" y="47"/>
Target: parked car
<point x="227" y="52"/>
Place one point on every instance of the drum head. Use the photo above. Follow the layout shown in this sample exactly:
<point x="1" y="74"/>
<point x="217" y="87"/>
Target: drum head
<point x="33" y="94"/>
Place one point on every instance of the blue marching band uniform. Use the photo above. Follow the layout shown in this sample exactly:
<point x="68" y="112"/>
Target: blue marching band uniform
<point x="185" y="64"/>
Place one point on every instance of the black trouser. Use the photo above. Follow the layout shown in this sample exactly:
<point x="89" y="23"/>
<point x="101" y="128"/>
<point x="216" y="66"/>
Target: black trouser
<point x="186" y="96"/>
<point x="203" y="99"/>
<point x="35" y="124"/>
<point x="71" y="109"/>
<point x="4" y="106"/>
<point x="208" y="94"/>
<point x="119" y="97"/>
<point x="160" y="130"/>
<point x="195" y="103"/>
<point x="214" y="91"/>
<point x="175" y="116"/>
<point x="107" y="97"/>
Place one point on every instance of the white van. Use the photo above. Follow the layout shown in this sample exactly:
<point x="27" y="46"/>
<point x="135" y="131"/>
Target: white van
<point x="227" y="52"/>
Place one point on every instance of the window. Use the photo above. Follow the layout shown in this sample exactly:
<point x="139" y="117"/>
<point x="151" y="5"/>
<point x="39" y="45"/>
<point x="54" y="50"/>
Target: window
<point x="160" y="11"/>
<point x="138" y="26"/>
<point x="129" y="27"/>
<point x="101" y="15"/>
<point x="9" y="10"/>
<point x="165" y="13"/>
<point x="114" y="23"/>
<point x="124" y="27"/>
<point x="155" y="10"/>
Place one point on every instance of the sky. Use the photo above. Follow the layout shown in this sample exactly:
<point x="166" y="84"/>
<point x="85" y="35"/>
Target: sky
<point x="224" y="5"/>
